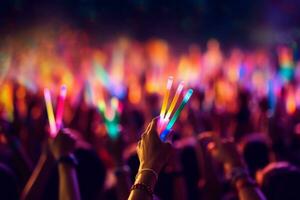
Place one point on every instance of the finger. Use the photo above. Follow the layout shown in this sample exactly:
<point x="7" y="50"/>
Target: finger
<point x="139" y="144"/>
<point x="212" y="148"/>
<point x="67" y="138"/>
<point x="148" y="128"/>
<point x="170" y="137"/>
<point x="217" y="139"/>
<point x="153" y="131"/>
<point x="67" y="131"/>
<point x="70" y="132"/>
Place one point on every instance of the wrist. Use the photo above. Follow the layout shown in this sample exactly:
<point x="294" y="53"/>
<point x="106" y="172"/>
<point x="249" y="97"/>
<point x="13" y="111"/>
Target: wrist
<point x="121" y="170"/>
<point x="238" y="175"/>
<point x="156" y="168"/>
<point x="244" y="183"/>
<point x="58" y="155"/>
<point x="147" y="178"/>
<point x="230" y="166"/>
<point x="67" y="160"/>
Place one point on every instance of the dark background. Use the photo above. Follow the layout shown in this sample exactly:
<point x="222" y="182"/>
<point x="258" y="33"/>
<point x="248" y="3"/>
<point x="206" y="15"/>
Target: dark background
<point x="244" y="22"/>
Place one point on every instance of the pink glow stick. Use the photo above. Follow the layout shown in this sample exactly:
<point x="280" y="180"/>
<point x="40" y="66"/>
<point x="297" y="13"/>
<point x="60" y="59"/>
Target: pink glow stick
<point x="60" y="106"/>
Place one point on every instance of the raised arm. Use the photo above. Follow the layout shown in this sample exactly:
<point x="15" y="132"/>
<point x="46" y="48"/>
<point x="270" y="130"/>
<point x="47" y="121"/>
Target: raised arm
<point x="226" y="152"/>
<point x="35" y="185"/>
<point x="62" y="148"/>
<point x="153" y="155"/>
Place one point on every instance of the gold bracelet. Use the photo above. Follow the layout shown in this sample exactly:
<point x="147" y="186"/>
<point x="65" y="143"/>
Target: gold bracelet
<point x="143" y="187"/>
<point x="149" y="170"/>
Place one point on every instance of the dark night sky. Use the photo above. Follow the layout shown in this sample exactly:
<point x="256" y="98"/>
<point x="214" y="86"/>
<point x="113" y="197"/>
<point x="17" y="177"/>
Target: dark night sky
<point x="194" y="20"/>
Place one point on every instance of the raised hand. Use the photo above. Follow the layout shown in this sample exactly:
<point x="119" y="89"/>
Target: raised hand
<point x="152" y="152"/>
<point x="63" y="144"/>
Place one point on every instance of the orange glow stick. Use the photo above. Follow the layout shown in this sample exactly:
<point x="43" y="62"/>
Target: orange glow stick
<point x="291" y="105"/>
<point x="166" y="97"/>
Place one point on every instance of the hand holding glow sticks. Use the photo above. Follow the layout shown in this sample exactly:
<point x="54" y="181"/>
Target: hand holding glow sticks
<point x="55" y="125"/>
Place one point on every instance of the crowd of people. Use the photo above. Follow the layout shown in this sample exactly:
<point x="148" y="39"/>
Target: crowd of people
<point x="237" y="138"/>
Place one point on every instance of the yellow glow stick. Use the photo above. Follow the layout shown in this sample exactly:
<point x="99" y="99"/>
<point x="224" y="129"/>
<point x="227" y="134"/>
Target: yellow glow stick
<point x="51" y="118"/>
<point x="166" y="97"/>
<point x="174" y="101"/>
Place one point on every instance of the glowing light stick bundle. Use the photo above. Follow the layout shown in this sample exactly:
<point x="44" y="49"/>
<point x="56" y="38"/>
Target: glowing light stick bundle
<point x="165" y="124"/>
<point x="111" y="117"/>
<point x="55" y="125"/>
<point x="166" y="131"/>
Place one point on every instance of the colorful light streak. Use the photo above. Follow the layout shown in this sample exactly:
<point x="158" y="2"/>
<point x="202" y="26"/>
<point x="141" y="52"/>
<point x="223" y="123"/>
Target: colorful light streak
<point x="74" y="63"/>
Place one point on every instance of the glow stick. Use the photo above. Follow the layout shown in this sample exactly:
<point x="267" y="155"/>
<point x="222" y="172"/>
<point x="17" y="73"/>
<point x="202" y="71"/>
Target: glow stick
<point x="60" y="106"/>
<point x="111" y="120"/>
<point x="271" y="96"/>
<point x="112" y="110"/>
<point x="103" y="76"/>
<point x="101" y="106"/>
<point x="51" y="119"/>
<point x="166" y="97"/>
<point x="162" y="125"/>
<point x="112" y="129"/>
<point x="90" y="97"/>
<point x="291" y="105"/>
<point x="114" y="103"/>
<point x="174" y="101"/>
<point x="186" y="98"/>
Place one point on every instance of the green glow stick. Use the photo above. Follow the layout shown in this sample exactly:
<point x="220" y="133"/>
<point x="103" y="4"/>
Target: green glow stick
<point x="111" y="125"/>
